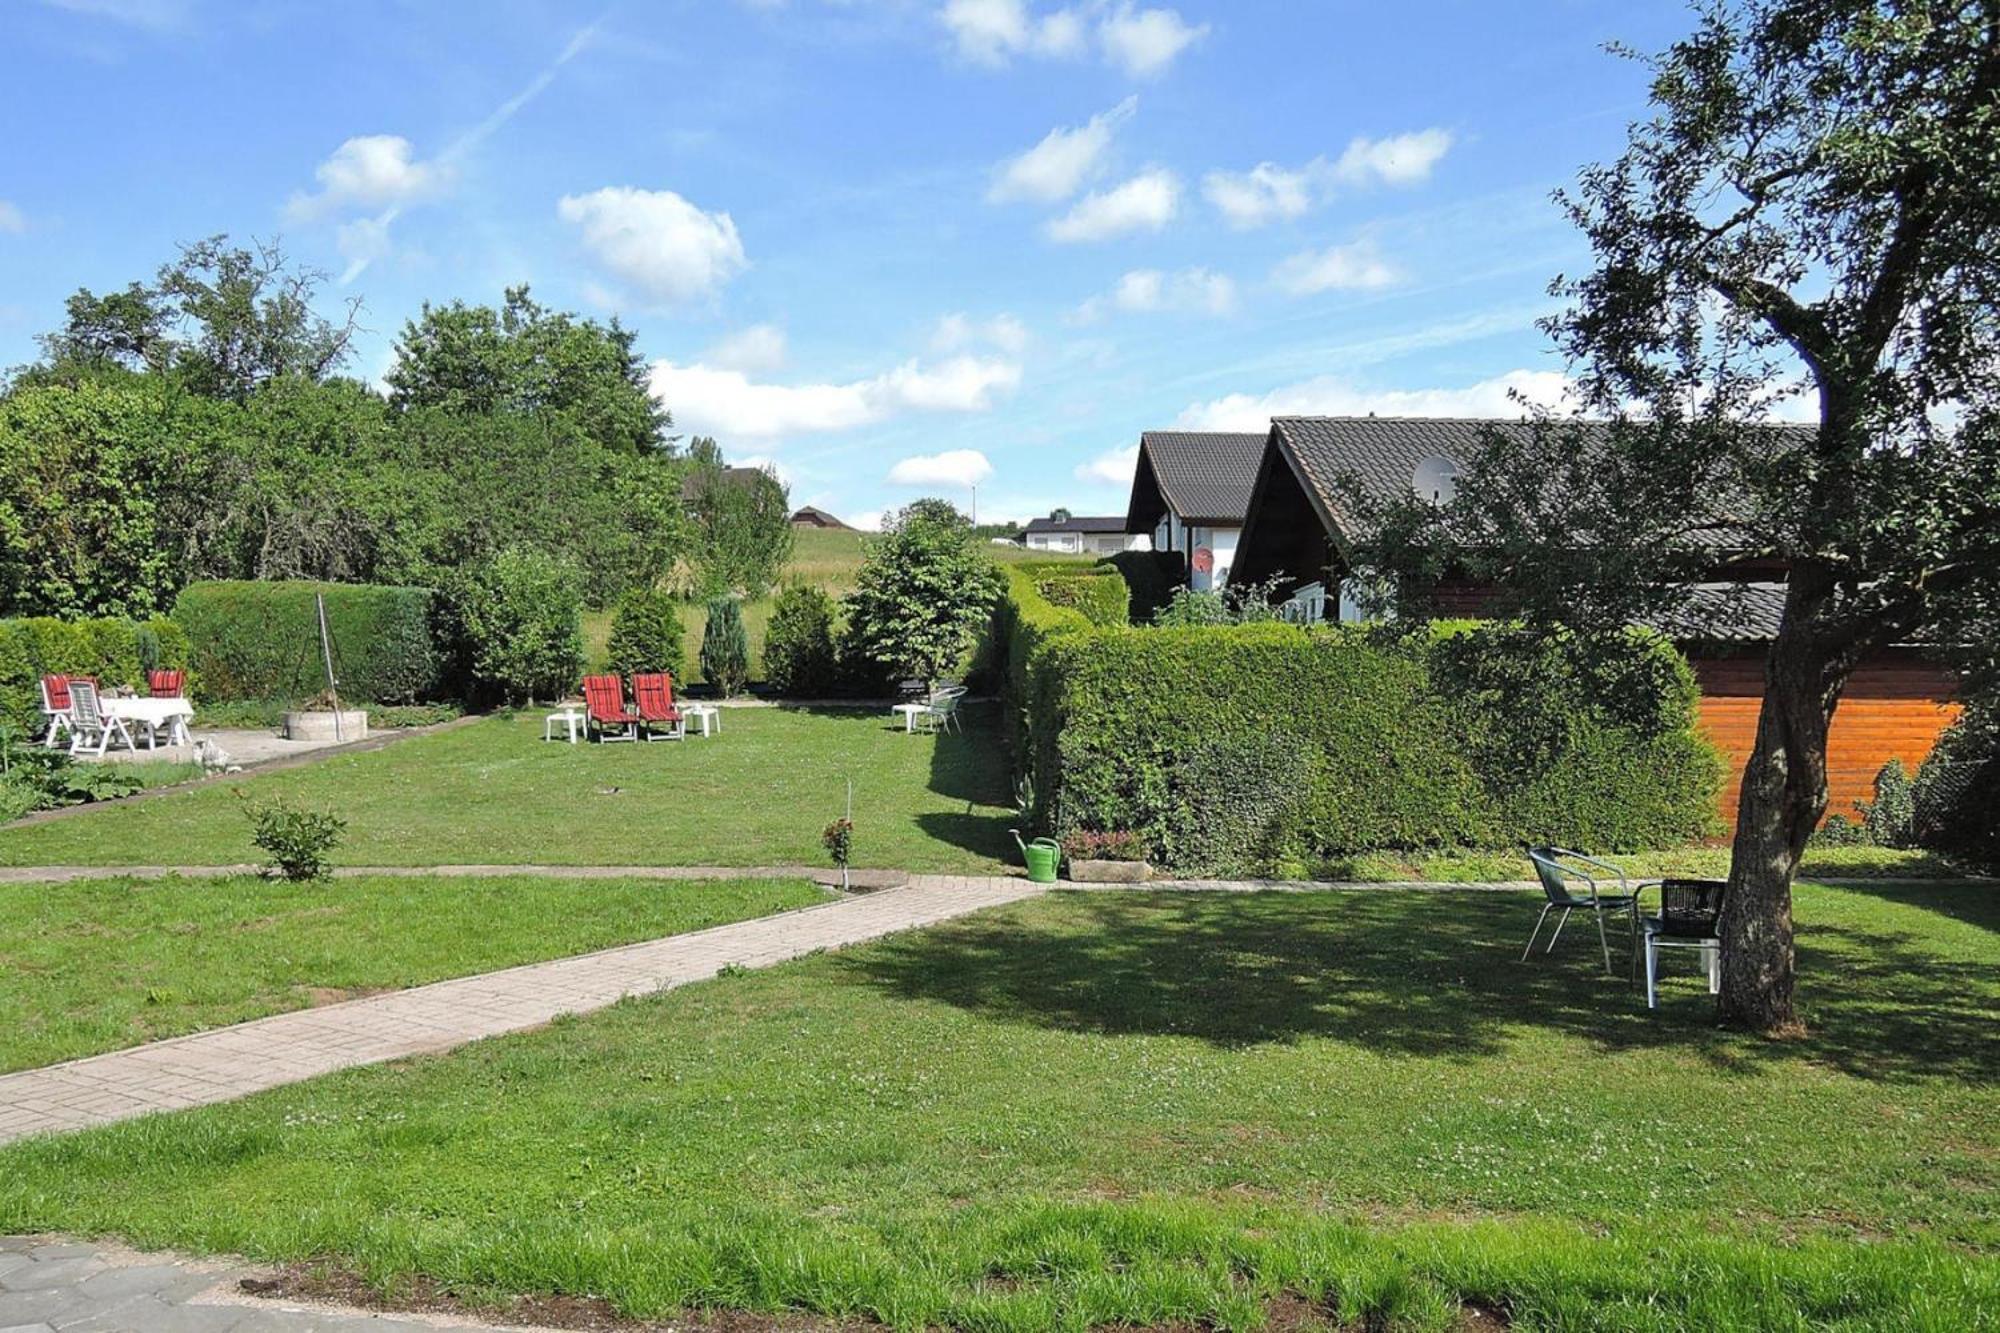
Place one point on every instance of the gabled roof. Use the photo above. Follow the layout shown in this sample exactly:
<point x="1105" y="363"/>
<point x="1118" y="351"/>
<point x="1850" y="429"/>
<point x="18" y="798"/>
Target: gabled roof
<point x="1078" y="523"/>
<point x="814" y="516"/>
<point x="1204" y="476"/>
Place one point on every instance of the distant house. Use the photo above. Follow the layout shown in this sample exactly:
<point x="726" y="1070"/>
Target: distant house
<point x="1300" y="531"/>
<point x="1086" y="535"/>
<point x="811" y="517"/>
<point x="1190" y="494"/>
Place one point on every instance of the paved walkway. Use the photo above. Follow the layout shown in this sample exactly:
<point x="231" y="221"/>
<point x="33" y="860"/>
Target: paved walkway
<point x="232" y="1062"/>
<point x="47" y="1284"/>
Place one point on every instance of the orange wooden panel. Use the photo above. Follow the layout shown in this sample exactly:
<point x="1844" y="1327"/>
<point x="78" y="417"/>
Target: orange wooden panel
<point x="1866" y="734"/>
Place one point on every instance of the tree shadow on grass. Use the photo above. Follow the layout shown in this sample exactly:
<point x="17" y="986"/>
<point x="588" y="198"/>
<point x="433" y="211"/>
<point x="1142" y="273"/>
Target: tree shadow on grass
<point x="970" y="765"/>
<point x="1421" y="974"/>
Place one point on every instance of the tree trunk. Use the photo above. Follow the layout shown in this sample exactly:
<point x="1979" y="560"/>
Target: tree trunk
<point x="1782" y="798"/>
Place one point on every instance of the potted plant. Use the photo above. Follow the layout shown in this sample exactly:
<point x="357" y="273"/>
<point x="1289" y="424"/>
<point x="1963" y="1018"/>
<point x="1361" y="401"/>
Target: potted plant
<point x="321" y="718"/>
<point x="1117" y="856"/>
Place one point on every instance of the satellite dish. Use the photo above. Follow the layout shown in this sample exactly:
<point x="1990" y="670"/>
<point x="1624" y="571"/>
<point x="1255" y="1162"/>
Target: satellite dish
<point x="1436" y="479"/>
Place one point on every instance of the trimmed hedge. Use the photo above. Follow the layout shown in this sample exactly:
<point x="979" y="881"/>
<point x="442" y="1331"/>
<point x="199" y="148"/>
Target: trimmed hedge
<point x="260" y="640"/>
<point x="117" y="652"/>
<point x="1271" y="747"/>
<point x="1103" y="598"/>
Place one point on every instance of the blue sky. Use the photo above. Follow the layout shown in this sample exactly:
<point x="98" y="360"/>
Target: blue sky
<point x="889" y="246"/>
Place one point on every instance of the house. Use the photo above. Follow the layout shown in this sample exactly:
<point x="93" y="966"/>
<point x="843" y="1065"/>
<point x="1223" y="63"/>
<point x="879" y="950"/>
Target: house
<point x="1085" y="535"/>
<point x="1190" y="494"/>
<point x="810" y="517"/>
<point x="1300" y="530"/>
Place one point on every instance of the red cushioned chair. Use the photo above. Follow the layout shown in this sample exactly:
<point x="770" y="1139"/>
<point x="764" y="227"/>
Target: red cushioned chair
<point x="654" y="693"/>
<point x="166" y="684"/>
<point x="57" y="707"/>
<point x="605" y="708"/>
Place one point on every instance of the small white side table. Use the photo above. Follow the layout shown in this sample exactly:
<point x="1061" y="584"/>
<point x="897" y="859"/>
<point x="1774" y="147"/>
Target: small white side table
<point x="707" y="714"/>
<point x="570" y="718"/>
<point x="911" y="712"/>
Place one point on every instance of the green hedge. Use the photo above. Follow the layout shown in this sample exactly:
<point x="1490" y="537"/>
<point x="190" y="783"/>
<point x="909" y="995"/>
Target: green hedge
<point x="117" y="652"/>
<point x="1270" y="747"/>
<point x="1103" y="598"/>
<point x="261" y="640"/>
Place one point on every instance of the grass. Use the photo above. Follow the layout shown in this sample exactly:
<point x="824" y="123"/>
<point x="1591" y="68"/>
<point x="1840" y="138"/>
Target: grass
<point x="494" y="792"/>
<point x="94" y="965"/>
<point x="1177" y="1110"/>
<point x="1709" y="862"/>
<point x="825" y="557"/>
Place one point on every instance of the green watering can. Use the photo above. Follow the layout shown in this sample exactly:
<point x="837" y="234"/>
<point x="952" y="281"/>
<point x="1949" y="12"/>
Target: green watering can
<point x="1041" y="855"/>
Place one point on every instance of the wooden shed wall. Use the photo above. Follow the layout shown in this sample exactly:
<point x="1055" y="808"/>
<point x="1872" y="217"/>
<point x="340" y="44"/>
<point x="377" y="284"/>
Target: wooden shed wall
<point x="1894" y="708"/>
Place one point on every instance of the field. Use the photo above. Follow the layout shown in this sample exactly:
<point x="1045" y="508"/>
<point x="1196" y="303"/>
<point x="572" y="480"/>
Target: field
<point x="1336" y="1110"/>
<point x="493" y="792"/>
<point x="93" y="965"/>
<point x="827" y="558"/>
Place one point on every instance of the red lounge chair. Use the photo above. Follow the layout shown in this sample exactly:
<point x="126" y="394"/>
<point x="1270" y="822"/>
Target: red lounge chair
<point x="654" y="694"/>
<point x="166" y="684"/>
<point x="604" y="707"/>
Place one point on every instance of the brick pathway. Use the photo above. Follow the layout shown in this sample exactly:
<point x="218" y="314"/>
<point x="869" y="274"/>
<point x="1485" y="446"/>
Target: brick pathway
<point x="232" y="1062"/>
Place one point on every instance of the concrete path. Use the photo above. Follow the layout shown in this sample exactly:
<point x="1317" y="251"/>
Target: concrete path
<point x="48" y="1284"/>
<point x="232" y="1062"/>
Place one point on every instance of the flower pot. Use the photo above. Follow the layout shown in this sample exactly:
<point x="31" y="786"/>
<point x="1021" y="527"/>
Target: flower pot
<point x="320" y="725"/>
<point x="1110" y="872"/>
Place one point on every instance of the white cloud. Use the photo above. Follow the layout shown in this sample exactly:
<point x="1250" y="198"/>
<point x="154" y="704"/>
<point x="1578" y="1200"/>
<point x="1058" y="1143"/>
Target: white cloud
<point x="1269" y="192"/>
<point x="1143" y="42"/>
<point x="658" y="243"/>
<point x="958" y="330"/>
<point x="12" y="219"/>
<point x="158" y="14"/>
<point x="1147" y="202"/>
<point x="714" y="400"/>
<point x="368" y="171"/>
<point x="1338" y="268"/>
<point x="1329" y="395"/>
<point x="361" y="242"/>
<point x="1151" y="290"/>
<point x="954" y="467"/>
<point x="868" y="520"/>
<point x="1265" y="193"/>
<point x="766" y="463"/>
<point x="758" y="347"/>
<point x="1062" y="162"/>
<point x="1114" y="468"/>
<point x="1400" y="159"/>
<point x="990" y="32"/>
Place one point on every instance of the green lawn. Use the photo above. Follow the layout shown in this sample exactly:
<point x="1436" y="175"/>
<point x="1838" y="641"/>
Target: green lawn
<point x="1161" y="1110"/>
<point x="94" y="965"/>
<point x="758" y="793"/>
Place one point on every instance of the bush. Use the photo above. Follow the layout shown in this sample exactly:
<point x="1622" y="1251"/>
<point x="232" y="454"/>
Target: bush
<point x="297" y="840"/>
<point x="1956" y="799"/>
<point x="117" y="652"/>
<point x="646" y="634"/>
<point x="1889" y="819"/>
<point x="799" y="659"/>
<point x="1239" y="748"/>
<point x="249" y="640"/>
<point x="925" y="591"/>
<point x="1103" y="599"/>
<point x="725" y="647"/>
<point x="516" y="626"/>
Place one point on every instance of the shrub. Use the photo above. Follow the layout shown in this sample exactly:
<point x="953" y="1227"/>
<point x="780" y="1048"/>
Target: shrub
<point x="1186" y="607"/>
<point x="925" y="591"/>
<point x="297" y="840"/>
<point x="1232" y="749"/>
<point x="725" y="647"/>
<point x="1103" y="599"/>
<point x="114" y="651"/>
<point x="1115" y="845"/>
<point x="516" y="623"/>
<point x="646" y="634"/>
<point x="799" y="656"/>
<point x="1889" y="819"/>
<point x="1956" y="799"/>
<point x="249" y="640"/>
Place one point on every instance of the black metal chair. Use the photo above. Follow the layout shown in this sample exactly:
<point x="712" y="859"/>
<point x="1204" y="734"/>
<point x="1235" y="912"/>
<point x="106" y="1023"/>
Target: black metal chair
<point x="1557" y="868"/>
<point x="1690" y="918"/>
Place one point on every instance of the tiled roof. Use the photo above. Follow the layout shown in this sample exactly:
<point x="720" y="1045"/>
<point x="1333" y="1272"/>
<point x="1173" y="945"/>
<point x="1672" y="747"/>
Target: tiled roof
<point x="1079" y="523"/>
<point x="1206" y="476"/>
<point x="1726" y="612"/>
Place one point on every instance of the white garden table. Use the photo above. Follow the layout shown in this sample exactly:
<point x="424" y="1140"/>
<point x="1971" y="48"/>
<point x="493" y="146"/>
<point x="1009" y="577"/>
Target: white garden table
<point x="705" y="714"/>
<point x="910" y="713"/>
<point x="155" y="715"/>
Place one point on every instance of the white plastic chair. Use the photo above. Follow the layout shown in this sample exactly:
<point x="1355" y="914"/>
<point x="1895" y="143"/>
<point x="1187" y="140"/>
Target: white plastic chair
<point x="941" y="709"/>
<point x="58" y="717"/>
<point x="91" y="729"/>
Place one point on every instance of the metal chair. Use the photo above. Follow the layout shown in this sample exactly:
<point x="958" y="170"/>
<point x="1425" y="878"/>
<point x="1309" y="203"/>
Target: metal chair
<point x="1690" y="918"/>
<point x="1557" y="867"/>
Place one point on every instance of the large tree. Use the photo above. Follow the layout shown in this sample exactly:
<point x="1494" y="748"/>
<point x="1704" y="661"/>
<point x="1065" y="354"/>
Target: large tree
<point x="1807" y="226"/>
<point x="526" y="358"/>
<point x="222" y="318"/>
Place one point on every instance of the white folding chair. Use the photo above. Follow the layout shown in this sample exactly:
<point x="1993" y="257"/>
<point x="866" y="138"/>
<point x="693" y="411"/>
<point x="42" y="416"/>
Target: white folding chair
<point x="91" y="728"/>
<point x="58" y="717"/>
